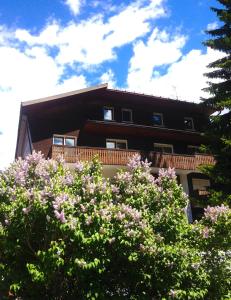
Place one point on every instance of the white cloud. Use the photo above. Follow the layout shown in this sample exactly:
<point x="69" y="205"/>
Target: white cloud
<point x="95" y="40"/>
<point x="74" y="6"/>
<point x="108" y="77"/>
<point x="159" y="50"/>
<point x="212" y="26"/>
<point x="183" y="74"/>
<point x="25" y="76"/>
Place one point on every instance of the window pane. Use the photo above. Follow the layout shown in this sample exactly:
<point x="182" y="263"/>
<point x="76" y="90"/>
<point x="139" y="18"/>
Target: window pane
<point x="108" y="114"/>
<point x="157" y="119"/>
<point x="188" y="123"/>
<point x="58" y="140"/>
<point x="127" y="115"/>
<point x="70" y="142"/>
<point x="110" y="145"/>
<point x="163" y="149"/>
<point x="157" y="149"/>
<point x="167" y="149"/>
<point x="121" y="145"/>
<point x="193" y="149"/>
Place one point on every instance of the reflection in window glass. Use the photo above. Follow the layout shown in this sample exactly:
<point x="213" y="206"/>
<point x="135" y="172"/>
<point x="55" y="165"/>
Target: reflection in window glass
<point x="193" y="149"/>
<point x="110" y="145"/>
<point x="58" y="140"/>
<point x="70" y="142"/>
<point x="188" y="123"/>
<point x="121" y="145"/>
<point x="127" y="115"/>
<point x="163" y="148"/>
<point x="157" y="119"/>
<point x="108" y="114"/>
<point x="116" y="144"/>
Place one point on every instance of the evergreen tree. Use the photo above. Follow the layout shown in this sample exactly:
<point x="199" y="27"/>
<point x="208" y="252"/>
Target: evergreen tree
<point x="219" y="129"/>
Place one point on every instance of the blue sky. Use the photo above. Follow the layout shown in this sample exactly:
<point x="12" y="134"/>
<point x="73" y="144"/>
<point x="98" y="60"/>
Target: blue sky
<point x="53" y="46"/>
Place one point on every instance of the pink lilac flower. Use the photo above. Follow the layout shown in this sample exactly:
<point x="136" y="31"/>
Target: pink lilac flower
<point x="120" y="216"/>
<point x="111" y="241"/>
<point x="42" y="171"/>
<point x="92" y="202"/>
<point x="79" y="166"/>
<point x="124" y="177"/>
<point x="146" y="165"/>
<point x="134" y="162"/>
<point x="170" y="173"/>
<point x="68" y="179"/>
<point x="60" y="216"/>
<point x="212" y="213"/>
<point x="59" y="200"/>
<point x="26" y="210"/>
<point x="115" y="189"/>
<point x="131" y="233"/>
<point x="205" y="232"/>
<point x="34" y="158"/>
<point x="172" y="293"/>
<point x="89" y="220"/>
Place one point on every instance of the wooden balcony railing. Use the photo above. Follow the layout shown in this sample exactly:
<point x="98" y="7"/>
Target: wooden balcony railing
<point x="121" y="157"/>
<point x="106" y="156"/>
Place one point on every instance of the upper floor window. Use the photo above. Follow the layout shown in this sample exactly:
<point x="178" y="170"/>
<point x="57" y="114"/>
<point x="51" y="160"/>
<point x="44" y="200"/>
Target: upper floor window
<point x="116" y="144"/>
<point x="126" y="115"/>
<point x="108" y="113"/>
<point x="64" y="140"/>
<point x="193" y="149"/>
<point x="157" y="119"/>
<point x="163" y="148"/>
<point x="188" y="123"/>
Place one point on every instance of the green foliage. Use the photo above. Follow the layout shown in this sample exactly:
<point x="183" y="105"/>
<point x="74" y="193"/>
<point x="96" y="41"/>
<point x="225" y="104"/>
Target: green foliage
<point x="68" y="233"/>
<point x="219" y="129"/>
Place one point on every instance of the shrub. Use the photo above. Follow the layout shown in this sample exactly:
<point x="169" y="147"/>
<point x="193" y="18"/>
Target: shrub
<point x="69" y="233"/>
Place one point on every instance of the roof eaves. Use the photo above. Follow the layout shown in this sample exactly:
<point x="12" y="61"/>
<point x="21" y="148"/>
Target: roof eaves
<point x="64" y="95"/>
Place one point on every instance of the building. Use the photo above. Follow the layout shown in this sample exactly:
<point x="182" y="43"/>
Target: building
<point x="115" y="125"/>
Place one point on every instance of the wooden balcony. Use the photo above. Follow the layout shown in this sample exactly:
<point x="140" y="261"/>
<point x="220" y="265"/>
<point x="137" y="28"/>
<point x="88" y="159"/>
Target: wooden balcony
<point x="121" y="157"/>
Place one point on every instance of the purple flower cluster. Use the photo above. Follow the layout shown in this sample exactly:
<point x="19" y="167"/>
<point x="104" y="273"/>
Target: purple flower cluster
<point x="212" y="213"/>
<point x="205" y="232"/>
<point x="34" y="158"/>
<point x="135" y="162"/>
<point x="60" y="216"/>
<point x="169" y="173"/>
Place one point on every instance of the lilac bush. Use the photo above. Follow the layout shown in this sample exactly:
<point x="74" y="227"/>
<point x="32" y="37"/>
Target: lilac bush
<point x="68" y="233"/>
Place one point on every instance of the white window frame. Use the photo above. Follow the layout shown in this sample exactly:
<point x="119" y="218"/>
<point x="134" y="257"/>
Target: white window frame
<point x="112" y="109"/>
<point x="162" y="120"/>
<point x="64" y="137"/>
<point x="115" y="141"/>
<point x="191" y="119"/>
<point x="130" y="110"/>
<point x="164" y="145"/>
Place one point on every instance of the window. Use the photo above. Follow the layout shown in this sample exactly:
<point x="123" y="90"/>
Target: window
<point x="163" y="148"/>
<point x="116" y="144"/>
<point x="64" y="141"/>
<point x="193" y="149"/>
<point x="57" y="140"/>
<point x="108" y="113"/>
<point x="69" y="142"/>
<point x="188" y="123"/>
<point x="200" y="184"/>
<point x="126" y="115"/>
<point x="157" y="119"/>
